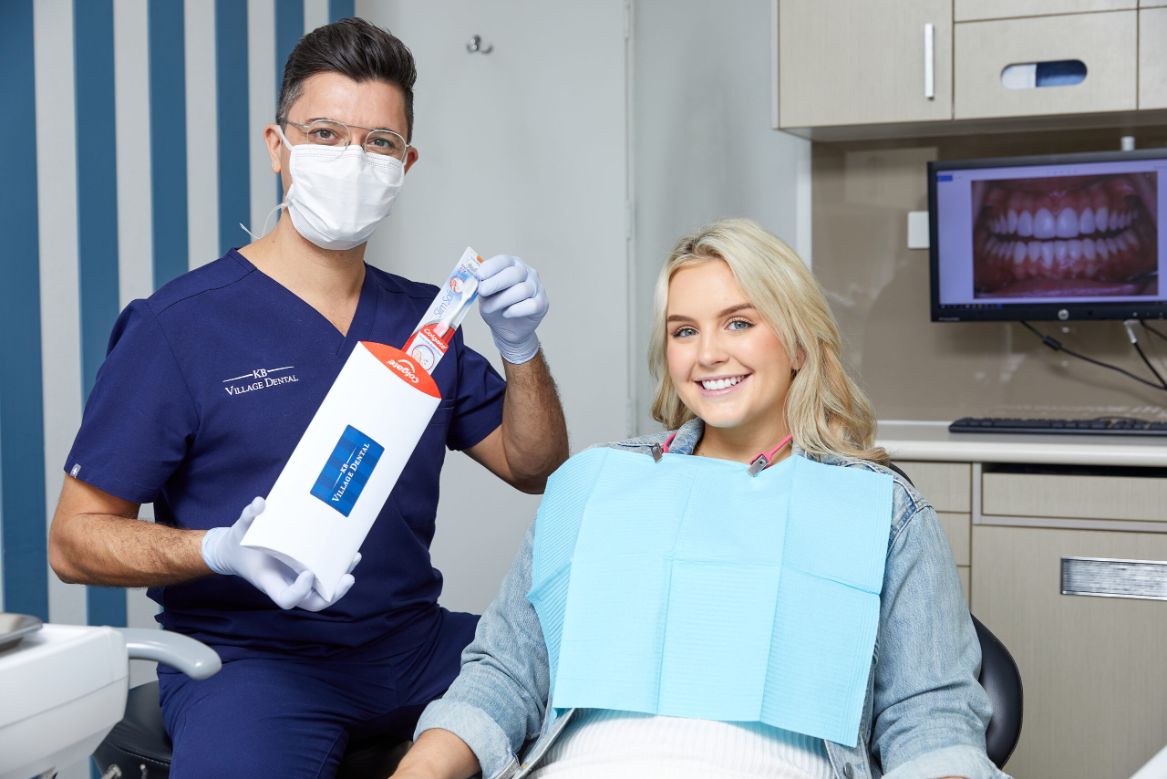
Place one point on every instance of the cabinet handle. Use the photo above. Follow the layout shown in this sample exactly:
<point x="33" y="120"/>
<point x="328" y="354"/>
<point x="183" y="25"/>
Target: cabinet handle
<point x="1109" y="578"/>
<point x="929" y="61"/>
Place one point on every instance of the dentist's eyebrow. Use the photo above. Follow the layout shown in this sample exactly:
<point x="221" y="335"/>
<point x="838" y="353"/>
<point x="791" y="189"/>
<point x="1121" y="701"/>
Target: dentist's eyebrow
<point x="720" y="314"/>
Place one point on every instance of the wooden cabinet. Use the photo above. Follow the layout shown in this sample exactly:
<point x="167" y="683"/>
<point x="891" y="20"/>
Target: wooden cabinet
<point x="1092" y="665"/>
<point x="1093" y="669"/>
<point x="846" y="63"/>
<point x="851" y="69"/>
<point x="1067" y="557"/>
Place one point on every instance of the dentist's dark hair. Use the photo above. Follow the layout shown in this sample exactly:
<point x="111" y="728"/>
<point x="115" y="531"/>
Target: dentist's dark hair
<point x="354" y="48"/>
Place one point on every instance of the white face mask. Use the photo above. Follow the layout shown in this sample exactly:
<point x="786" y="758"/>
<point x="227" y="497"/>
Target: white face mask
<point x="339" y="195"/>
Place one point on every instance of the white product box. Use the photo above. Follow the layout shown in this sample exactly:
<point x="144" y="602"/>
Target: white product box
<point x="341" y="472"/>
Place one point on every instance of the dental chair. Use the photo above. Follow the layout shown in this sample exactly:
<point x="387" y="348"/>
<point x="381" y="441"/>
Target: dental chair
<point x="64" y="687"/>
<point x="1002" y="681"/>
<point x="140" y="747"/>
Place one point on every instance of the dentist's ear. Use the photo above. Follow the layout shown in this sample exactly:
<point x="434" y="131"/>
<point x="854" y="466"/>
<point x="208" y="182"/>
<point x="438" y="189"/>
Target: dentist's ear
<point x="275" y="147"/>
<point x="411" y="157"/>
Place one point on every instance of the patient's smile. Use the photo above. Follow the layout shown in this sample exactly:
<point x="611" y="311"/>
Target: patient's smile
<point x="721" y="385"/>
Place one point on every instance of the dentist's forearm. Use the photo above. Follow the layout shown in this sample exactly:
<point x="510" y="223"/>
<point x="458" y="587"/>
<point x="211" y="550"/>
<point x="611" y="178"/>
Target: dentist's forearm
<point x="97" y="539"/>
<point x="438" y="754"/>
<point x="533" y="431"/>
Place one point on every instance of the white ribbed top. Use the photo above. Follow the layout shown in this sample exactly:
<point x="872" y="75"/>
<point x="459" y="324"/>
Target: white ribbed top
<point x="623" y="745"/>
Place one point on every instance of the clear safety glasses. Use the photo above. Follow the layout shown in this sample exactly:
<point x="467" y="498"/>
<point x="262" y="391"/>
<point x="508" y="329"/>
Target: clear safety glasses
<point x="329" y="132"/>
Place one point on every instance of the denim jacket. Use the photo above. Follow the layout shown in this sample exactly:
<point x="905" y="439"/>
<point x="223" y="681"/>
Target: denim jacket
<point x="924" y="714"/>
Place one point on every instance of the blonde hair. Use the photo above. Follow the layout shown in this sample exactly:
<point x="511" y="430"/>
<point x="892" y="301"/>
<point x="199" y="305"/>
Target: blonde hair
<point x="826" y="412"/>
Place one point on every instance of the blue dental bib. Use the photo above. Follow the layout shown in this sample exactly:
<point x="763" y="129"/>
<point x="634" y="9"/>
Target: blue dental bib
<point x="689" y="588"/>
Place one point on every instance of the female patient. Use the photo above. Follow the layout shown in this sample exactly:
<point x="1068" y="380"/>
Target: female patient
<point x="749" y="595"/>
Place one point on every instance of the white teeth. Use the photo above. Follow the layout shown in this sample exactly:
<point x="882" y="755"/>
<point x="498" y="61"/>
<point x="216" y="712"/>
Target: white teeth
<point x="1074" y="249"/>
<point x="1044" y="225"/>
<point x="1067" y="223"/>
<point x="1034" y="250"/>
<point x="1047" y="255"/>
<point x="720" y="384"/>
<point x="1019" y="253"/>
<point x="1088" y="249"/>
<point x="1086" y="222"/>
<point x="1025" y="224"/>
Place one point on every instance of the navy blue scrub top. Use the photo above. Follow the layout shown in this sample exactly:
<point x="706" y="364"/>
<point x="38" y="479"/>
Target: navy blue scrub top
<point x="206" y="389"/>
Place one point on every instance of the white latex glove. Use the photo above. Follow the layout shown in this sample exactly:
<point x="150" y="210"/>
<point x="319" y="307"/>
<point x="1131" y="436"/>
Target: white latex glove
<point x="512" y="301"/>
<point x="224" y="555"/>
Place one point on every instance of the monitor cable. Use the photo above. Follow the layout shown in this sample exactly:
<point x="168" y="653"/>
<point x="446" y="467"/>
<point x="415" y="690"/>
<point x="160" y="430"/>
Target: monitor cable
<point x="1152" y="330"/>
<point x="1057" y="346"/>
<point x="1130" y="333"/>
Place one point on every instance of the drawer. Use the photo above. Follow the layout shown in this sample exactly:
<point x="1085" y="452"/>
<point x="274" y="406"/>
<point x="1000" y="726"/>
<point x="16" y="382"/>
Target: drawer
<point x="1076" y="495"/>
<point x="1153" y="58"/>
<point x="1106" y="42"/>
<point x="973" y="10"/>
<point x="947" y="486"/>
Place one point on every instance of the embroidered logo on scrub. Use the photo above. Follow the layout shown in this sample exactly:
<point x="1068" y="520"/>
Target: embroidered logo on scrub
<point x="347" y="470"/>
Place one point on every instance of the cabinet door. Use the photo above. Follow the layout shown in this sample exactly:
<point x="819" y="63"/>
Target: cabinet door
<point x="1092" y="667"/>
<point x="1153" y="58"/>
<point x="843" y="62"/>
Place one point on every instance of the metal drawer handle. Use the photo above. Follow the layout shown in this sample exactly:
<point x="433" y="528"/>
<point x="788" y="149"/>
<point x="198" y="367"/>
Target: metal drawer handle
<point x="929" y="62"/>
<point x="1108" y="578"/>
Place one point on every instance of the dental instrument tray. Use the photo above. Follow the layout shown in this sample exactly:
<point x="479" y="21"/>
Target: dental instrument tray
<point x="14" y="627"/>
<point x="1092" y="426"/>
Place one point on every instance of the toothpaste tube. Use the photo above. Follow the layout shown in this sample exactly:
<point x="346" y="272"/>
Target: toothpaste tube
<point x="431" y="338"/>
<point x="349" y="459"/>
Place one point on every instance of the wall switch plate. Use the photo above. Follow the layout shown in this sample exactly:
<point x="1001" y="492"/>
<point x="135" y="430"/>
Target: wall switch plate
<point x="918" y="230"/>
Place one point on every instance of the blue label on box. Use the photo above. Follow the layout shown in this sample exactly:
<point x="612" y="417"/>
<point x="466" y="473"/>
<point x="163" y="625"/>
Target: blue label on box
<point x="347" y="470"/>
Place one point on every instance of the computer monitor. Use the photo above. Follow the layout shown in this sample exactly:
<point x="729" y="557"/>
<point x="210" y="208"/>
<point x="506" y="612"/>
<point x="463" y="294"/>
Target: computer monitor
<point x="1058" y="237"/>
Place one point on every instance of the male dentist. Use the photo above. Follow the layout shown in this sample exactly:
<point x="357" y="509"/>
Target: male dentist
<point x="183" y="416"/>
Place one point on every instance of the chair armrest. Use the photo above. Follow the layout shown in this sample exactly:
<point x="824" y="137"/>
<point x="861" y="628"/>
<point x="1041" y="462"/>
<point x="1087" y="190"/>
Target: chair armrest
<point x="193" y="658"/>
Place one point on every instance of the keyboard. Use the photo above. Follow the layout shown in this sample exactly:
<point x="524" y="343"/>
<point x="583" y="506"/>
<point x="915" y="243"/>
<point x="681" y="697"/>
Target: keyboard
<point x="1093" y="426"/>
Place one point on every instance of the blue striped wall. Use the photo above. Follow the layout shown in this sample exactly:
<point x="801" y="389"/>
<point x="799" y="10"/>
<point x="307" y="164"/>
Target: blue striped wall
<point x="21" y="403"/>
<point x="141" y="149"/>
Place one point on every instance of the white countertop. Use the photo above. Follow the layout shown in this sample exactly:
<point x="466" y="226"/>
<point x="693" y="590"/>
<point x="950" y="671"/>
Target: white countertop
<point x="907" y="440"/>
